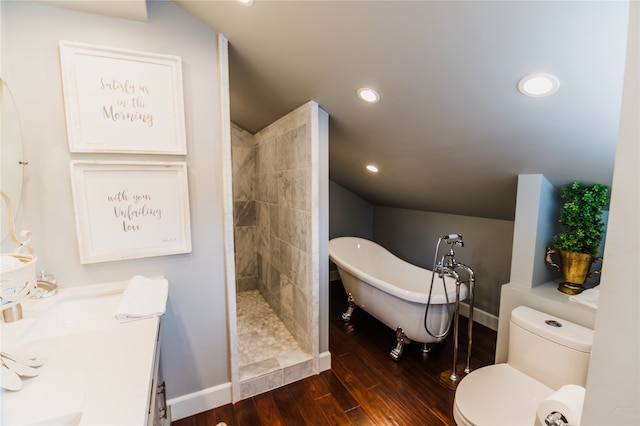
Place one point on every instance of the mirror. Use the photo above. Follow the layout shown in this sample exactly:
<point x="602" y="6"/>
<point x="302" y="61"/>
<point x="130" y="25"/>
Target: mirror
<point x="11" y="153"/>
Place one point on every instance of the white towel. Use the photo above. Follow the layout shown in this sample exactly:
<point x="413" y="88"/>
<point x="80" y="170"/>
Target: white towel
<point x="588" y="298"/>
<point x="142" y="298"/>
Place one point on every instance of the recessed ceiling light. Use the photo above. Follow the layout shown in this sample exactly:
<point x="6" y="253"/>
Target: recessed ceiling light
<point x="538" y="85"/>
<point x="372" y="168"/>
<point x="368" y="95"/>
<point x="246" y="2"/>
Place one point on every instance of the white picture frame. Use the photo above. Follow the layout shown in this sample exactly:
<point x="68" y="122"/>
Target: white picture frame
<point x="122" y="101"/>
<point x="128" y="210"/>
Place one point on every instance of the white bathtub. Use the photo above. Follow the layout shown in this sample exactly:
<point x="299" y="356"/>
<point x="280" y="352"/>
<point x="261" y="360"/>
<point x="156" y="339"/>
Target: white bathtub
<point x="392" y="290"/>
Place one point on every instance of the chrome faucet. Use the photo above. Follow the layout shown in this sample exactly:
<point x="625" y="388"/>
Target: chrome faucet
<point x="448" y="265"/>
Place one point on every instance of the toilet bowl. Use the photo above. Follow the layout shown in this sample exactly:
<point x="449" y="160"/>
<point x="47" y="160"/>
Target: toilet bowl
<point x="545" y="353"/>
<point x="498" y="395"/>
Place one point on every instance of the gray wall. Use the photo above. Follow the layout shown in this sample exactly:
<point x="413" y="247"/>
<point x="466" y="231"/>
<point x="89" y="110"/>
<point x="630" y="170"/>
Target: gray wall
<point x="412" y="235"/>
<point x="195" y="352"/>
<point x="537" y="202"/>
<point x="349" y="215"/>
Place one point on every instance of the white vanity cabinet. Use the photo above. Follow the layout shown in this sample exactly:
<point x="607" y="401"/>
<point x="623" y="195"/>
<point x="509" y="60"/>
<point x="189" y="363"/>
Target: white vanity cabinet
<point x="158" y="412"/>
<point x="96" y="370"/>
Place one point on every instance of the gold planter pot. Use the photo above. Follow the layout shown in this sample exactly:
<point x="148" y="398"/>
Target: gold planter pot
<point x="575" y="268"/>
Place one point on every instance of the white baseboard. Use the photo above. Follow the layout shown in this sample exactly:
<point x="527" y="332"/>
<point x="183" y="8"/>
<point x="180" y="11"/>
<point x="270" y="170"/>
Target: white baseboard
<point x="198" y="402"/>
<point x="216" y="396"/>
<point x="324" y="362"/>
<point x="481" y="317"/>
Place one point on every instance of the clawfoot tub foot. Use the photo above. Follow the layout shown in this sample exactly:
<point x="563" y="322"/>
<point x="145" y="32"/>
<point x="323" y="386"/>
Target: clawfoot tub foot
<point x="402" y="341"/>
<point x="352" y="306"/>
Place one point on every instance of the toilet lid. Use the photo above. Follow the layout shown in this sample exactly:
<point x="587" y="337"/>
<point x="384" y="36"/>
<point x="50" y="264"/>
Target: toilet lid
<point x="499" y="395"/>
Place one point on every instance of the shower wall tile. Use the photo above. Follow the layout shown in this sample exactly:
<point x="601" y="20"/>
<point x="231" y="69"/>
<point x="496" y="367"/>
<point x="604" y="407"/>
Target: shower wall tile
<point x="263" y="218"/>
<point x="247" y="284"/>
<point x="301" y="199"/>
<point x="285" y="188"/>
<point x="243" y="159"/>
<point x="274" y="280"/>
<point x="302" y="148"/>
<point x="262" y="232"/>
<point x="271" y="181"/>
<point x="301" y="232"/>
<point x="259" y="268"/>
<point x="242" y="150"/>
<point x="266" y="157"/>
<point x="299" y="266"/>
<point x="282" y="190"/>
<point x="240" y="137"/>
<point x="274" y="220"/>
<point x="260" y="158"/>
<point x="245" y="252"/>
<point x="285" y="216"/>
<point x="276" y="257"/>
<point x="286" y="301"/>
<point x="243" y="187"/>
<point x="260" y="188"/>
<point x="300" y="307"/>
<point x="285" y="157"/>
<point x="244" y="213"/>
<point x="285" y="258"/>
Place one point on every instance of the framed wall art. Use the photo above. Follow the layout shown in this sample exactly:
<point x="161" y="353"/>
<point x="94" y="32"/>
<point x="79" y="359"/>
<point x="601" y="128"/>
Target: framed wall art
<point x="128" y="210"/>
<point x="122" y="101"/>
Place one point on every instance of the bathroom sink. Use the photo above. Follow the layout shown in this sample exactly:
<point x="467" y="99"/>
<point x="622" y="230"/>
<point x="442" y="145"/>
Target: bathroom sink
<point x="74" y="315"/>
<point x="90" y="363"/>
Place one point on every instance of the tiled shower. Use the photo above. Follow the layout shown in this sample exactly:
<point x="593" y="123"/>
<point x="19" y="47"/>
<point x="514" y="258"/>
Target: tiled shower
<point x="272" y="194"/>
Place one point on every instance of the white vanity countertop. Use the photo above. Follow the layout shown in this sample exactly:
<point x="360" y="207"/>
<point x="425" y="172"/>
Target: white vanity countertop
<point x="102" y="369"/>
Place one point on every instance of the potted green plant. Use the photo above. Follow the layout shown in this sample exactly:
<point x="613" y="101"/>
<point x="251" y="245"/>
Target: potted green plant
<point x="577" y="246"/>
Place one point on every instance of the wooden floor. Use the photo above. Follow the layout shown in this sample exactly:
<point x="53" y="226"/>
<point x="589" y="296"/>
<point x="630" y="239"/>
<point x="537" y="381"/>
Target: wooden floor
<point x="364" y="386"/>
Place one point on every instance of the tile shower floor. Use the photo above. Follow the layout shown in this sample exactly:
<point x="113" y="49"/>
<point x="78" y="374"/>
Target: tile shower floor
<point x="264" y="343"/>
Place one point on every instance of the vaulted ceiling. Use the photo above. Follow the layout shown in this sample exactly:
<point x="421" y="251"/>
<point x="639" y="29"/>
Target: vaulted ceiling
<point x="451" y="132"/>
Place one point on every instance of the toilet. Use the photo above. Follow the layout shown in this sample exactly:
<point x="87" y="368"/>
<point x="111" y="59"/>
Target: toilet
<point x="545" y="353"/>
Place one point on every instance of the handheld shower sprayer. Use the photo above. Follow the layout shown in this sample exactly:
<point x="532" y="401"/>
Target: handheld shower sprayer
<point x="455" y="239"/>
<point x="447" y="262"/>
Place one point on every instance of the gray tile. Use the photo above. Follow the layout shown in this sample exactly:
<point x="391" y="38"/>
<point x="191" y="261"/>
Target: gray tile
<point x="297" y="372"/>
<point x="244" y="213"/>
<point x="260" y="384"/>
<point x="259" y="368"/>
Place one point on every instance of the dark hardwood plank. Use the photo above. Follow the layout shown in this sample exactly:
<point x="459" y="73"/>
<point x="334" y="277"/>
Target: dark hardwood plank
<point x="339" y="391"/>
<point x="332" y="410"/>
<point x="317" y="387"/>
<point x="359" y="417"/>
<point x="364" y="386"/>
<point x="225" y="413"/>
<point x="286" y="402"/>
<point x="307" y="405"/>
<point x="246" y="412"/>
<point x="268" y="409"/>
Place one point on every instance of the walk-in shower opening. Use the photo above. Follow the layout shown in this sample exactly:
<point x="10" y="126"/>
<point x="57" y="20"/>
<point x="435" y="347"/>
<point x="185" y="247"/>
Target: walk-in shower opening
<point x="272" y="202"/>
<point x="264" y="342"/>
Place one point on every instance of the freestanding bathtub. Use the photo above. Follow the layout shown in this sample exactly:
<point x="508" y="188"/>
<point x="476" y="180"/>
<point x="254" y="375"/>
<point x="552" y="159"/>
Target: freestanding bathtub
<point x="393" y="291"/>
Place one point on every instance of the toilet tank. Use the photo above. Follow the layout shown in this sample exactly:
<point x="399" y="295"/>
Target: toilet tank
<point x="549" y="349"/>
